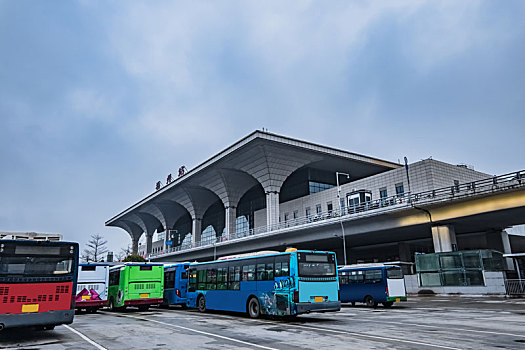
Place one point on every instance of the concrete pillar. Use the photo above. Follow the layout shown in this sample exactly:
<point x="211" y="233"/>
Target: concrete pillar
<point x="444" y="238"/>
<point x="149" y="243"/>
<point x="135" y="244"/>
<point x="499" y="240"/>
<point x="230" y="220"/>
<point x="272" y="210"/>
<point x="196" y="231"/>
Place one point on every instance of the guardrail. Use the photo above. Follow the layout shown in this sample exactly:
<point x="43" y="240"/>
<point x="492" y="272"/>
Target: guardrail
<point x="515" y="287"/>
<point x="460" y="191"/>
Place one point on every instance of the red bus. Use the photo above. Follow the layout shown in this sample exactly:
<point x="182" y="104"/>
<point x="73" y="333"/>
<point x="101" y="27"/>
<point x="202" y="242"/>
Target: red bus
<point x="37" y="283"/>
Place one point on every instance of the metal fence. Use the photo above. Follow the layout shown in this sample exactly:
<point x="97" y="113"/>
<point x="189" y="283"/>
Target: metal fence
<point x="376" y="207"/>
<point x="515" y="287"/>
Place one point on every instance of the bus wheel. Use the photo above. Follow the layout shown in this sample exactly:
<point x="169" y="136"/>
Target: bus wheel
<point x="254" y="308"/>
<point x="388" y="304"/>
<point x="112" y="305"/>
<point x="370" y="302"/>
<point x="201" y="304"/>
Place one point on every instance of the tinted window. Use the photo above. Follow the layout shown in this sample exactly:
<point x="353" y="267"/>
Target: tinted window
<point x="169" y="279"/>
<point x="234" y="277"/>
<point x="146" y="268"/>
<point x="316" y="265"/>
<point x="394" y="273"/>
<point x="373" y="276"/>
<point x="114" y="278"/>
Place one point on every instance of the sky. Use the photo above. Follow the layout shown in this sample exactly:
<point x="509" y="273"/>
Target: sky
<point x="99" y="100"/>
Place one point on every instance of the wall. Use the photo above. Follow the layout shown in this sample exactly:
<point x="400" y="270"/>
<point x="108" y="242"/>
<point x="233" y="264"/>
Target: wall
<point x="494" y="285"/>
<point x="424" y="175"/>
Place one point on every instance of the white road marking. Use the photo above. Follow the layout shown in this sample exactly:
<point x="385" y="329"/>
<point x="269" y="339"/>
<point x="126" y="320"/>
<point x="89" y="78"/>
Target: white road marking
<point x="381" y="338"/>
<point x="205" y="333"/>
<point x="98" y="346"/>
<point x="456" y="328"/>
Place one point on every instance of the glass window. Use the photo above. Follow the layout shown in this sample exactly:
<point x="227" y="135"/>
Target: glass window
<point x="318" y="210"/>
<point x="248" y="272"/>
<point x="295" y="214"/>
<point x="330" y="207"/>
<point x="269" y="271"/>
<point x="373" y="276"/>
<point x="356" y="277"/>
<point x="400" y="190"/>
<point x="308" y="212"/>
<point x="261" y="272"/>
<point x="201" y="279"/>
<point x="394" y="273"/>
<point x="383" y="193"/>
<point x="114" y="278"/>
<point x="234" y="277"/>
<point x="316" y="265"/>
<point x="211" y="280"/>
<point x="222" y="278"/>
<point x="169" y="279"/>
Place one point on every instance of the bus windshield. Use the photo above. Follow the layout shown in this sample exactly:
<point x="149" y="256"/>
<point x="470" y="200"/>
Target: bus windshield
<point x="36" y="266"/>
<point x="394" y="273"/>
<point x="316" y="265"/>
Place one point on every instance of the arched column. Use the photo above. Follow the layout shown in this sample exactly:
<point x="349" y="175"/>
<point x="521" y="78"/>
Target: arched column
<point x="231" y="217"/>
<point x="196" y="230"/>
<point x="272" y="210"/>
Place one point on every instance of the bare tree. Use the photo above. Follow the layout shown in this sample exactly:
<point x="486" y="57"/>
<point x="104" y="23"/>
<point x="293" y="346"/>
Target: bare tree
<point x="96" y="248"/>
<point x="124" y="252"/>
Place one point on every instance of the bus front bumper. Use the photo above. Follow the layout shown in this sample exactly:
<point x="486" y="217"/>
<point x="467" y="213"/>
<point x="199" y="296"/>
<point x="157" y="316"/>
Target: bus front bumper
<point x="145" y="301"/>
<point x="49" y="318"/>
<point x="328" y="306"/>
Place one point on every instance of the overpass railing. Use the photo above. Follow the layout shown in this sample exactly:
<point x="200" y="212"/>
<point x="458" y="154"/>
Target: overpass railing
<point x="405" y="200"/>
<point x="515" y="287"/>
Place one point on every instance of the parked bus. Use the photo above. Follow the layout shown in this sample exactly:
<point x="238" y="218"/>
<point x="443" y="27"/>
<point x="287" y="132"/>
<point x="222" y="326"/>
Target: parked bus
<point x="270" y="283"/>
<point x="92" y="287"/>
<point x="135" y="284"/>
<point x="37" y="283"/>
<point x="175" y="284"/>
<point x="372" y="284"/>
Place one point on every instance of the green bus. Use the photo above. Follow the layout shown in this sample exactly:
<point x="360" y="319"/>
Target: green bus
<point x="135" y="284"/>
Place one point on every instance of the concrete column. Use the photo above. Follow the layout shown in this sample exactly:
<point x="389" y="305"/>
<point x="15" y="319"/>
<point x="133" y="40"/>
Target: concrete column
<point x="444" y="238"/>
<point x="499" y="240"/>
<point x="149" y="243"/>
<point x="135" y="244"/>
<point x="272" y="209"/>
<point x="231" y="217"/>
<point x="196" y="231"/>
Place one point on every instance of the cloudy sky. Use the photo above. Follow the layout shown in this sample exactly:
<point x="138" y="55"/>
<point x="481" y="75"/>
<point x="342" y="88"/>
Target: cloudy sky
<point x="101" y="99"/>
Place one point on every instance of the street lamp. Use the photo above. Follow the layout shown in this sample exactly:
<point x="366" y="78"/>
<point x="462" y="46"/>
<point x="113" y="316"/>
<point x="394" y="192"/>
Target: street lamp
<point x="340" y="209"/>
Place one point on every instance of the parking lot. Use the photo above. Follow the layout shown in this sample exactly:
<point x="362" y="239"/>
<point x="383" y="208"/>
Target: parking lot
<point x="421" y="323"/>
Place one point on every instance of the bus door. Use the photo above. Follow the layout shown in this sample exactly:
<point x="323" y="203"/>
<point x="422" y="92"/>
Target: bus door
<point x="284" y="285"/>
<point x="395" y="282"/>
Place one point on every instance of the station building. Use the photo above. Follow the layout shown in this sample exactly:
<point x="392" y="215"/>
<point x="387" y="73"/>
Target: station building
<point x="269" y="191"/>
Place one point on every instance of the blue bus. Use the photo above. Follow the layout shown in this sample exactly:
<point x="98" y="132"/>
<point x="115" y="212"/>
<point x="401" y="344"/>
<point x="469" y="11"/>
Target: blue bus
<point x="175" y="284"/>
<point x="372" y="284"/>
<point x="269" y="283"/>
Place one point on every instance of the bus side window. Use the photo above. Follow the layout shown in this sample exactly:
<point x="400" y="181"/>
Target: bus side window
<point x="373" y="276"/>
<point x="277" y="269"/>
<point x="261" y="272"/>
<point x="234" y="277"/>
<point x="355" y="277"/>
<point x="222" y="278"/>
<point x="114" y="278"/>
<point x="269" y="271"/>
<point x="248" y="273"/>
<point x="183" y="275"/>
<point x="211" y="280"/>
<point x="201" y="278"/>
<point x="285" y="269"/>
